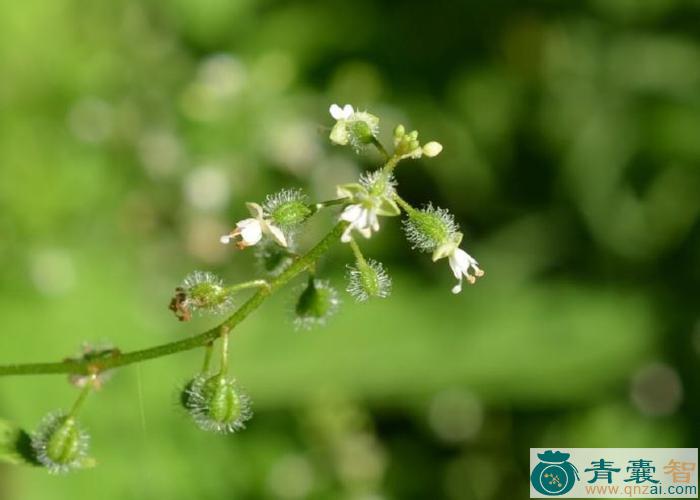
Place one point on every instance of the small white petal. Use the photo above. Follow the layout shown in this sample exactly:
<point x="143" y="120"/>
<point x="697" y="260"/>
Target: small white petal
<point x="347" y="111"/>
<point x="346" y="237"/>
<point x="336" y="112"/>
<point x="225" y="239"/>
<point x="255" y="210"/>
<point x="463" y="259"/>
<point x="251" y="231"/>
<point x="373" y="220"/>
<point x="277" y="235"/>
<point x="457" y="288"/>
<point x="457" y="269"/>
<point x="351" y="213"/>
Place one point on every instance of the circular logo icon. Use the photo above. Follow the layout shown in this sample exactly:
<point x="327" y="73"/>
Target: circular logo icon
<point x="554" y="475"/>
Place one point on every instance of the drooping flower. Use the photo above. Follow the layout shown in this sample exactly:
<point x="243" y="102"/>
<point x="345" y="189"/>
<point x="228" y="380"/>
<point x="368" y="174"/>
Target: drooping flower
<point x="370" y="198"/>
<point x="355" y="127"/>
<point x="462" y="264"/>
<point x="250" y="231"/>
<point x="429" y="227"/>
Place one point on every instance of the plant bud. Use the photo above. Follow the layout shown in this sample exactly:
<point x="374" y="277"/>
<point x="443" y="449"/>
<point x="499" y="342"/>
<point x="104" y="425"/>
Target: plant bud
<point x="60" y="444"/>
<point x="432" y="149"/>
<point x="315" y="304"/>
<point x="399" y="132"/>
<point x="428" y="228"/>
<point x="287" y="208"/>
<point x="216" y="403"/>
<point x="368" y="280"/>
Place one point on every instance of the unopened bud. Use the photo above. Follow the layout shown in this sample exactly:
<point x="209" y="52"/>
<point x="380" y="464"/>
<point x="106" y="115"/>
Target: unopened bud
<point x="432" y="149"/>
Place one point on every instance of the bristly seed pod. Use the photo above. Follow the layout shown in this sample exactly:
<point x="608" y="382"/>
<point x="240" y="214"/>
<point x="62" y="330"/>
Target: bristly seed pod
<point x="368" y="280"/>
<point x="316" y="303"/>
<point x="272" y="258"/>
<point x="216" y="404"/>
<point x="60" y="444"/>
<point x="430" y="227"/>
<point x="287" y="208"/>
<point x="200" y="291"/>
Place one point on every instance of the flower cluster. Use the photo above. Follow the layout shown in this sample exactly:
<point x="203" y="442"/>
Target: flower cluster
<point x="214" y="399"/>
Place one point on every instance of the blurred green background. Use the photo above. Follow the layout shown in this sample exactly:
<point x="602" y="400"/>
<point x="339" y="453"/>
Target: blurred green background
<point x="132" y="132"/>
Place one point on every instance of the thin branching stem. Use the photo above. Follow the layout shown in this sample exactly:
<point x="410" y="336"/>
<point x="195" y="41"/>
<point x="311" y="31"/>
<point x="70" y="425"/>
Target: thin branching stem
<point x="127" y="358"/>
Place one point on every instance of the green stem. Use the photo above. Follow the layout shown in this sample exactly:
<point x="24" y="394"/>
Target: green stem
<point x="390" y="164"/>
<point x="404" y="204"/>
<point x="81" y="399"/>
<point x="127" y="358"/>
<point x="380" y="147"/>
<point x="208" y="351"/>
<point x="244" y="285"/>
<point x="358" y="253"/>
<point x="224" y="351"/>
<point x="315" y="207"/>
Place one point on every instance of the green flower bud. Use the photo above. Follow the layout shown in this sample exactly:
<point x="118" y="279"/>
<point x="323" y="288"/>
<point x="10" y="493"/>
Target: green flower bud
<point x="216" y="404"/>
<point x="60" y="444"/>
<point x="368" y="280"/>
<point x="432" y="149"/>
<point x="399" y="132"/>
<point x="428" y="228"/>
<point x="315" y="304"/>
<point x="287" y="208"/>
<point x="200" y="292"/>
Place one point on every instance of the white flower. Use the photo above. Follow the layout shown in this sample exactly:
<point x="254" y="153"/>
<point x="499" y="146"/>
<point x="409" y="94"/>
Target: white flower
<point x="251" y="230"/>
<point x="343" y="113"/>
<point x="355" y="127"/>
<point x="460" y="262"/>
<point x="362" y="219"/>
<point x="368" y="199"/>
